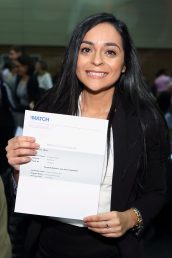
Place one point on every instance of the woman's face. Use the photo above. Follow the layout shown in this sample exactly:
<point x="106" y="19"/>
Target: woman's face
<point x="13" y="55"/>
<point x="101" y="58"/>
<point x="21" y="69"/>
<point x="38" y="67"/>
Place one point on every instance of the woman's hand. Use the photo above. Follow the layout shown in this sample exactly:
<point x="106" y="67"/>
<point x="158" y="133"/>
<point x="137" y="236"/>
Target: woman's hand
<point x="111" y="224"/>
<point x="19" y="150"/>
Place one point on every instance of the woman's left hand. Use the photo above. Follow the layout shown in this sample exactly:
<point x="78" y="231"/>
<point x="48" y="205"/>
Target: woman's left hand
<point x="111" y="224"/>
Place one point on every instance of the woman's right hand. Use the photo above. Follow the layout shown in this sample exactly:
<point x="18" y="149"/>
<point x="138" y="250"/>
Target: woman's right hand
<point x="19" y="150"/>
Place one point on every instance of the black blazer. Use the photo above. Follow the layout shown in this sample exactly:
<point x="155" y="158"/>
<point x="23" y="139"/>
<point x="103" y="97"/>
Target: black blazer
<point x="33" y="92"/>
<point x="131" y="186"/>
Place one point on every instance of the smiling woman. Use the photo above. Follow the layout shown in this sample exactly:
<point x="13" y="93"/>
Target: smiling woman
<point x="101" y="58"/>
<point x="101" y="78"/>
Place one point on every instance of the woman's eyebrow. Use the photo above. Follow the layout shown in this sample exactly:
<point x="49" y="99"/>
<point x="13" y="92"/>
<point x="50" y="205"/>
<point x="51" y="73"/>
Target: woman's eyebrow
<point x="112" y="44"/>
<point x="106" y="44"/>
<point x="87" y="42"/>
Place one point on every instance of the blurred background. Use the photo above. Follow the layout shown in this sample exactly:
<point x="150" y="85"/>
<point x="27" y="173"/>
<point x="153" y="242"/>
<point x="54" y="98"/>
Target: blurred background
<point x="43" y="27"/>
<point x="33" y="37"/>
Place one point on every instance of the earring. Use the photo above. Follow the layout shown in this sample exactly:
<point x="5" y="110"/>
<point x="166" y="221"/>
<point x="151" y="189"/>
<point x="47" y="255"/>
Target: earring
<point x="123" y="69"/>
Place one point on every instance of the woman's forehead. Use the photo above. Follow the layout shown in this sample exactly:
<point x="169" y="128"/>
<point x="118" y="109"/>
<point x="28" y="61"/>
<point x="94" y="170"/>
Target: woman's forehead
<point x="103" y="33"/>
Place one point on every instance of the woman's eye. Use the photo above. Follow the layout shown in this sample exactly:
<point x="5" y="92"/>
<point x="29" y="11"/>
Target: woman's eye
<point x="111" y="53"/>
<point x="85" y="50"/>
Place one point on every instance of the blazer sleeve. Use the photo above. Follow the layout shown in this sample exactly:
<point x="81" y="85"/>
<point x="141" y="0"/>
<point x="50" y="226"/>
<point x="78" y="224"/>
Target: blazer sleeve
<point x="152" y="196"/>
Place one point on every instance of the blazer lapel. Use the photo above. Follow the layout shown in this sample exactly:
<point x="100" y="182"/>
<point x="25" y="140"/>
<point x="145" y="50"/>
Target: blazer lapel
<point x="127" y="152"/>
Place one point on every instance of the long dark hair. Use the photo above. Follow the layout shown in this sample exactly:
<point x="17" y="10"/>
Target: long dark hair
<point x="27" y="61"/>
<point x="63" y="97"/>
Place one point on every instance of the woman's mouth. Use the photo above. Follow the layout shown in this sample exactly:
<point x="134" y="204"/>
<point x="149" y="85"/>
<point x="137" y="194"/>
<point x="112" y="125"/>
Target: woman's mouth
<point x="96" y="74"/>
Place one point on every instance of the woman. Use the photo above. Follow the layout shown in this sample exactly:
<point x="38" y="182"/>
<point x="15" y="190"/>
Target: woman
<point x="43" y="76"/>
<point x="9" y="69"/>
<point x="26" y="88"/>
<point x="101" y="78"/>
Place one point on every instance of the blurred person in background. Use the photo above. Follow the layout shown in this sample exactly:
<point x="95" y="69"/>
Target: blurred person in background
<point x="161" y="82"/>
<point x="26" y="88"/>
<point x="15" y="52"/>
<point x="26" y="92"/>
<point x="168" y="113"/>
<point x="43" y="76"/>
<point x="9" y="69"/>
<point x="164" y="101"/>
<point x="9" y="74"/>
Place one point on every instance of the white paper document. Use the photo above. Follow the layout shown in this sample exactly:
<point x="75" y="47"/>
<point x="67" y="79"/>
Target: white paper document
<point x="63" y="179"/>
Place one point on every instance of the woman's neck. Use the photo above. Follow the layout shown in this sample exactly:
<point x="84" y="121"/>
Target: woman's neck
<point x="25" y="77"/>
<point x="41" y="72"/>
<point x="96" y="105"/>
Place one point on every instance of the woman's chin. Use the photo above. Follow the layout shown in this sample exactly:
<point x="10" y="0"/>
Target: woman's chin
<point x="97" y="90"/>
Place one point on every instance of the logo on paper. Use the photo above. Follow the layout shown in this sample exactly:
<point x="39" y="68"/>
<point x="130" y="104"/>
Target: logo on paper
<point x="40" y="118"/>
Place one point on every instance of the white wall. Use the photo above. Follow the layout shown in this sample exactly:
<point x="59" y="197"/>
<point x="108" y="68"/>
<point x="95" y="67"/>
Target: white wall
<point x="50" y="22"/>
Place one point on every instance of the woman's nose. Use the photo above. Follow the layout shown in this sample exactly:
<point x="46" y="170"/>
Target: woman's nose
<point x="97" y="59"/>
